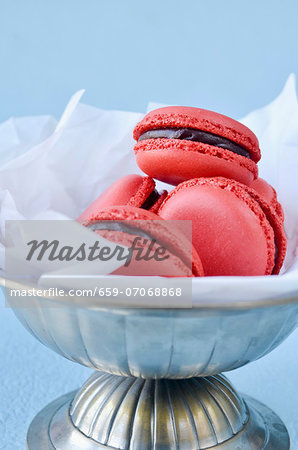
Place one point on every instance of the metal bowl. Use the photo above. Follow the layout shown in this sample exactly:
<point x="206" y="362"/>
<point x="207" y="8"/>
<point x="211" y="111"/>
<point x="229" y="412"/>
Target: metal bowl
<point x="160" y="343"/>
<point x="119" y="411"/>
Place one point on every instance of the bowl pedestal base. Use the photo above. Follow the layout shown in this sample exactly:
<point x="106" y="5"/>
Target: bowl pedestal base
<point x="114" y="412"/>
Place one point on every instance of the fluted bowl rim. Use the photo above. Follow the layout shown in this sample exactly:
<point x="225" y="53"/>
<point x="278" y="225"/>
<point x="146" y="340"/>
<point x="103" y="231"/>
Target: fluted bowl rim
<point x="100" y="302"/>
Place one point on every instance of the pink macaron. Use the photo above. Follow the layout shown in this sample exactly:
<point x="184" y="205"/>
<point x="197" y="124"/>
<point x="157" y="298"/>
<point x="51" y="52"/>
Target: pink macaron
<point x="269" y="194"/>
<point x="234" y="229"/>
<point x="178" y="143"/>
<point x="132" y="190"/>
<point x="122" y="224"/>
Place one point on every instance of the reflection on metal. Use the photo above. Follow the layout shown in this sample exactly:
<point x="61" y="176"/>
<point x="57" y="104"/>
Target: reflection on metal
<point x="169" y="343"/>
<point x="160" y="389"/>
<point x="112" y="412"/>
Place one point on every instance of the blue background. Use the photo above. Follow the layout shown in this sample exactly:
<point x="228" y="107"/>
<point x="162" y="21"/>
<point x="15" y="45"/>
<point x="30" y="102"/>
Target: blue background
<point x="229" y="56"/>
<point x="232" y="56"/>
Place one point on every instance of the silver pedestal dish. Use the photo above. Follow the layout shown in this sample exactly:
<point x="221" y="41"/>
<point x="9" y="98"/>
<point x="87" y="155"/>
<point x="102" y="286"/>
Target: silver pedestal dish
<point x="157" y="382"/>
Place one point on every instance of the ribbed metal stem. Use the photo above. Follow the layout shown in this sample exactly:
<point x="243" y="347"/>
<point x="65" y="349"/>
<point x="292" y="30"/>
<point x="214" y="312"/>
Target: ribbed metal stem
<point x="117" y="413"/>
<point x="133" y="413"/>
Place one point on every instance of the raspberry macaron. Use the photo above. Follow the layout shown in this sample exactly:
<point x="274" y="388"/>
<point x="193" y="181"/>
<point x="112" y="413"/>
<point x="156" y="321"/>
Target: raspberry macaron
<point x="122" y="224"/>
<point x="178" y="143"/>
<point x="234" y="229"/>
<point x="132" y="190"/>
<point x="269" y="194"/>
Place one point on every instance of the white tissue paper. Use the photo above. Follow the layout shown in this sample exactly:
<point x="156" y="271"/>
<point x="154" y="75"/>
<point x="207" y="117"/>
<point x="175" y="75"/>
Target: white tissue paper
<point x="51" y="170"/>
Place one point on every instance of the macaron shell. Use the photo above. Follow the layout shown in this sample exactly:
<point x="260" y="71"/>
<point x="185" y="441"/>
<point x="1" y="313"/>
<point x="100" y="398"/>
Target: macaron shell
<point x="230" y="230"/>
<point x="276" y="221"/>
<point x="159" y="202"/>
<point x="201" y="119"/>
<point x="174" y="161"/>
<point x="166" y="233"/>
<point x="128" y="190"/>
<point x="142" y="193"/>
<point x="125" y="212"/>
<point x="173" y="266"/>
<point x="269" y="194"/>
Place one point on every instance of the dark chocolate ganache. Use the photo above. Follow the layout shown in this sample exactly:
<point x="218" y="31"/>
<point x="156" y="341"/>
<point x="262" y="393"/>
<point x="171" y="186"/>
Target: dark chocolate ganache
<point x="112" y="225"/>
<point x="191" y="134"/>
<point x="151" y="200"/>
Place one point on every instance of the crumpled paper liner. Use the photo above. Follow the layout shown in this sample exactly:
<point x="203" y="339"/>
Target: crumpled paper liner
<point x="51" y="170"/>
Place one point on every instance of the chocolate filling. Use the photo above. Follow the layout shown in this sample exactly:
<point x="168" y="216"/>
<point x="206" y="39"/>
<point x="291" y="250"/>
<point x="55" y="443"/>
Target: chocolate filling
<point x="151" y="200"/>
<point x="111" y="225"/>
<point x="276" y="253"/>
<point x="190" y="134"/>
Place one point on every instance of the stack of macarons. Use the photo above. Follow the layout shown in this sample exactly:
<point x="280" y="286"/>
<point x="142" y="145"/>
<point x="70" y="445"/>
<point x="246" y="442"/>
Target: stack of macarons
<point x="211" y="159"/>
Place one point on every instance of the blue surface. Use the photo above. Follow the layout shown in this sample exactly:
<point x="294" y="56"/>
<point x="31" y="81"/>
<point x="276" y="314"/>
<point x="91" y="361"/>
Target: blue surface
<point x="229" y="56"/>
